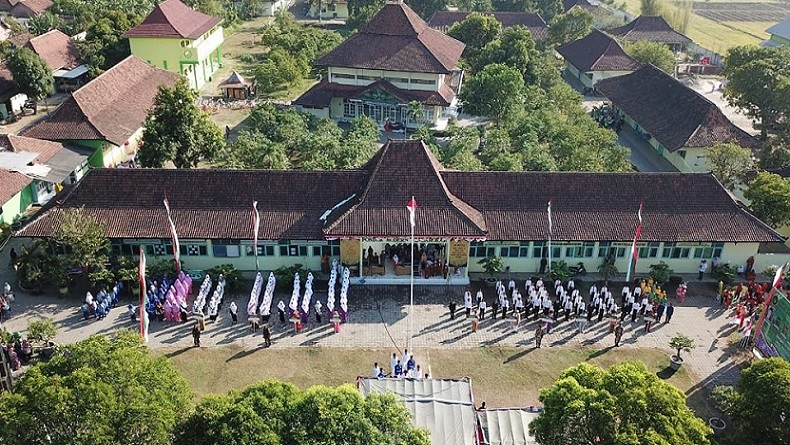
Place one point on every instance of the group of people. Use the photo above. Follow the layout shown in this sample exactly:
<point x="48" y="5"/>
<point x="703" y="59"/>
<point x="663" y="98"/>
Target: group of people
<point x="405" y="367"/>
<point x="428" y="257"/>
<point x="98" y="307"/>
<point x="607" y="118"/>
<point x="5" y="302"/>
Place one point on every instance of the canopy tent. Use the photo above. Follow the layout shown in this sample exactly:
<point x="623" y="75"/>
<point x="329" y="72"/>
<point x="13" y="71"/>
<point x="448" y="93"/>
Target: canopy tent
<point x="507" y="426"/>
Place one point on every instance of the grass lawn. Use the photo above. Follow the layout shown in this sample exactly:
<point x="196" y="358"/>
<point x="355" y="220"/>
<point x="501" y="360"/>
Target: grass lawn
<point x="503" y="377"/>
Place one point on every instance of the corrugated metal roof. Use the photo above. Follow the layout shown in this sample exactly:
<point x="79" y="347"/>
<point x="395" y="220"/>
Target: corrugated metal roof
<point x="508" y="426"/>
<point x="443" y="407"/>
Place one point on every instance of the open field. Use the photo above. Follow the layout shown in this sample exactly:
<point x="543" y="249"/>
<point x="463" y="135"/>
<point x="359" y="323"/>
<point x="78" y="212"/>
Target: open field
<point x="501" y="376"/>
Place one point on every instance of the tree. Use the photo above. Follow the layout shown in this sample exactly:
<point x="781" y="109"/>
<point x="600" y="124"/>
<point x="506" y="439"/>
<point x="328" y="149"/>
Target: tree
<point x="426" y="8"/>
<point x="681" y="342"/>
<point x="177" y="130"/>
<point x="209" y="7"/>
<point x="548" y="9"/>
<point x="515" y="48"/>
<point x="83" y="237"/>
<point x="494" y="92"/>
<point x="678" y="15"/>
<point x="45" y="22"/>
<point x="570" y="26"/>
<point x="758" y="82"/>
<point x="31" y="75"/>
<point x="253" y="149"/>
<point x="43" y="329"/>
<point x="774" y="154"/>
<point x="513" y="5"/>
<point x="625" y="405"/>
<point x="104" y="45"/>
<point x="272" y="412"/>
<point x="759" y="408"/>
<point x="655" y="53"/>
<point x="97" y="391"/>
<point x="728" y="162"/>
<point x="361" y="11"/>
<point x="770" y="198"/>
<point x="476" y="31"/>
<point x="650" y="7"/>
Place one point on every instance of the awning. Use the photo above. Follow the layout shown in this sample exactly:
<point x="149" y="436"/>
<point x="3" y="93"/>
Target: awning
<point x="71" y="74"/>
<point x="64" y="162"/>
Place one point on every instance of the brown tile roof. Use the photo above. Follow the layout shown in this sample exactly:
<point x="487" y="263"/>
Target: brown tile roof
<point x="171" y="18"/>
<point x="20" y="40"/>
<point x="6" y="5"/>
<point x="57" y="49"/>
<point x="45" y="149"/>
<point x="30" y="8"/>
<point x="597" y="52"/>
<point x="13" y="183"/>
<point x="111" y="107"/>
<point x="396" y="39"/>
<point x="443" y="20"/>
<point x="295" y="205"/>
<point x="674" y="114"/>
<point x="400" y="170"/>
<point x="320" y="95"/>
<point x="652" y="28"/>
<point x="584" y="4"/>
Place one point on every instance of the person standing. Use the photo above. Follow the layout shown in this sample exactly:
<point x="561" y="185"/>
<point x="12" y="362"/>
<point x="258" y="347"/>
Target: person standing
<point x="618" y="334"/>
<point x="196" y="334"/>
<point x="670" y="311"/>
<point x="495" y="308"/>
<point x="635" y="310"/>
<point x="468" y="303"/>
<point x="543" y="263"/>
<point x="660" y="311"/>
<point x="281" y="310"/>
<point x="234" y="312"/>
<point x="479" y="296"/>
<point x="267" y="335"/>
<point x="539" y="335"/>
<point x="393" y="362"/>
<point x="452" y="307"/>
<point x="481" y="308"/>
<point x="318" y="311"/>
<point x="703" y="267"/>
<point x="475" y="322"/>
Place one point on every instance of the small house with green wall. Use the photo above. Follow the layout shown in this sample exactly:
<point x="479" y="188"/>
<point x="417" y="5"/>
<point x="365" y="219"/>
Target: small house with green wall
<point x="780" y="35"/>
<point x="108" y="113"/>
<point x="328" y="10"/>
<point x="678" y="122"/>
<point x="594" y="57"/>
<point x="179" y="39"/>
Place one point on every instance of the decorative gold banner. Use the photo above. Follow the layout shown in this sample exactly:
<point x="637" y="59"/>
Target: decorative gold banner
<point x="349" y="251"/>
<point x="459" y="253"/>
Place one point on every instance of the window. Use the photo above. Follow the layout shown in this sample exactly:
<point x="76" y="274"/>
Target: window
<point x="672" y="250"/>
<point x="539" y="249"/>
<point x="366" y="77"/>
<point x="682" y="153"/>
<point x="478" y="249"/>
<point x="159" y="249"/>
<point x="397" y="79"/>
<point x="225" y="248"/>
<point x="288" y="249"/>
<point x="332" y="249"/>
<point x="519" y="251"/>
<point x="343" y="76"/>
<point x="709" y="251"/>
<point x="349" y="109"/>
<point x="194" y="249"/>
<point x="604" y="247"/>
<point x="184" y="43"/>
<point x="583" y="250"/>
<point x="423" y="81"/>
<point x="649" y="250"/>
<point x="263" y="250"/>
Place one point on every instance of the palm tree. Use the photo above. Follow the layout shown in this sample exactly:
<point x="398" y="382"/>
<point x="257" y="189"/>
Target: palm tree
<point x="414" y="113"/>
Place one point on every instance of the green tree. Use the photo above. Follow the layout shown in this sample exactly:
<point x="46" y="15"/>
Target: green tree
<point x="774" y="154"/>
<point x="728" y="162"/>
<point x="770" y="198"/>
<point x="513" y="5"/>
<point x="32" y="76"/>
<point x="548" y="9"/>
<point x="494" y="92"/>
<point x="177" y="130"/>
<point x="97" y="391"/>
<point x="656" y="53"/>
<point x="210" y="7"/>
<point x="678" y="15"/>
<point x="253" y="149"/>
<point x="426" y="8"/>
<point x="570" y="26"/>
<point x="476" y="31"/>
<point x="271" y="412"/>
<point x="45" y="22"/>
<point x="474" y="5"/>
<point x="758" y="82"/>
<point x="625" y="405"/>
<point x="759" y="408"/>
<point x="361" y="11"/>
<point x="650" y="7"/>
<point x="103" y="46"/>
<point x="516" y="49"/>
<point x="83" y="236"/>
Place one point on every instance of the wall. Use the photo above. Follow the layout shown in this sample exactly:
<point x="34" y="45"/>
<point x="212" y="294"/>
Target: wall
<point x="321" y="113"/>
<point x="17" y="205"/>
<point x="389" y="75"/>
<point x="694" y="161"/>
<point x="340" y="11"/>
<point x="600" y="75"/>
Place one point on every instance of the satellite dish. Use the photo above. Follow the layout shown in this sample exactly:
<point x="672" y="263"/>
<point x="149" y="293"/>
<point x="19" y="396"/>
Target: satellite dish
<point x="187" y="53"/>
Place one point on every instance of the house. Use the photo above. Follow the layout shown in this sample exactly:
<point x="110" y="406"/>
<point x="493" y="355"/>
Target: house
<point x="24" y="10"/>
<point x="45" y="166"/>
<point x="652" y="29"/>
<point x="567" y="5"/>
<point x="594" y="57"/>
<point x="780" y="34"/>
<point x="444" y="20"/>
<point x="6" y="5"/>
<point x="108" y="113"/>
<point x="179" y="39"/>
<point x="394" y="60"/>
<point x="462" y="216"/>
<point x="677" y="121"/>
<point x="329" y="10"/>
<point x="11" y="100"/>
<point x="60" y="53"/>
<point x="237" y="87"/>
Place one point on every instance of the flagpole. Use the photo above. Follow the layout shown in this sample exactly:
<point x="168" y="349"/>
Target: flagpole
<point x="632" y="257"/>
<point x="549" y="213"/>
<point x="411" y="286"/>
<point x="141" y="274"/>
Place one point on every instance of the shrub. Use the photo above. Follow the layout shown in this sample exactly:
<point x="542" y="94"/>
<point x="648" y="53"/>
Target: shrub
<point x="560" y="270"/>
<point x="726" y="273"/>
<point x="233" y="277"/>
<point x="723" y="397"/>
<point x="285" y="275"/>
<point x="163" y="268"/>
<point x="660" y="272"/>
<point x="42" y="330"/>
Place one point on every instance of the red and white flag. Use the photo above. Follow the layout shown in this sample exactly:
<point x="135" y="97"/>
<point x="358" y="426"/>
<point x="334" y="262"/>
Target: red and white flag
<point x="143" y="296"/>
<point x="256" y="224"/>
<point x="174" y="235"/>
<point x="412" y="206"/>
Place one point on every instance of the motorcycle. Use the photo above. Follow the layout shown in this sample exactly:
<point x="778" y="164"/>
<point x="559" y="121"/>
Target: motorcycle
<point x="578" y="270"/>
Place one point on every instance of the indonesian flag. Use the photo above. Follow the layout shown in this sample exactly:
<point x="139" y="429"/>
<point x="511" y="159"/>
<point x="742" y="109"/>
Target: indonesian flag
<point x="778" y="276"/>
<point x="256" y="224"/>
<point x="176" y="245"/>
<point x="634" y="250"/>
<point x="412" y="206"/>
<point x="548" y="210"/>
<point x="143" y="294"/>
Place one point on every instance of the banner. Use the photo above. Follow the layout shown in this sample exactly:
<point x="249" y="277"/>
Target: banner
<point x="773" y="337"/>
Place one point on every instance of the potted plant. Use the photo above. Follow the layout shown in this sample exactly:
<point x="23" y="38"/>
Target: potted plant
<point x="127" y="271"/>
<point x="492" y="265"/>
<point x="607" y="271"/>
<point x="679" y="343"/>
<point x="43" y="330"/>
<point x="660" y="272"/>
<point x="29" y="266"/>
<point x="60" y="278"/>
<point x="560" y="271"/>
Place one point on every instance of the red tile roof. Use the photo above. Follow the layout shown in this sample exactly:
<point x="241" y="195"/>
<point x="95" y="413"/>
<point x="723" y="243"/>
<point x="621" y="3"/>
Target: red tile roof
<point x="57" y="49"/>
<point x="652" y="28"/>
<point x="111" y="107"/>
<point x="303" y="205"/>
<point x="597" y="52"/>
<point x="443" y="20"/>
<point x="321" y="94"/>
<point x="674" y="114"/>
<point x="172" y="18"/>
<point x="13" y="183"/>
<point x="396" y="39"/>
<point x="30" y="8"/>
<point x="20" y="40"/>
<point x="45" y="149"/>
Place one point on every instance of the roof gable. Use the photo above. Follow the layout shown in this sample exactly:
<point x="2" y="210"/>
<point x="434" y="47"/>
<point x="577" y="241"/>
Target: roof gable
<point x="674" y="114"/>
<point x="172" y="18"/>
<point x="57" y="49"/>
<point x="597" y="52"/>
<point x="111" y="107"/>
<point x="30" y="8"/>
<point x="13" y="183"/>
<point x="45" y="150"/>
<point x="781" y="29"/>
<point x="396" y="39"/>
<point x="652" y="28"/>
